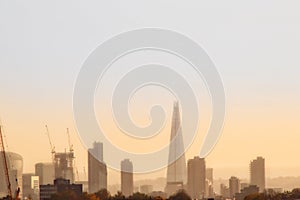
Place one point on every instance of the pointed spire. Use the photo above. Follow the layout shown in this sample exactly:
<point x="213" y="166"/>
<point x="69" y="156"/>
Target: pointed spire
<point x="176" y="172"/>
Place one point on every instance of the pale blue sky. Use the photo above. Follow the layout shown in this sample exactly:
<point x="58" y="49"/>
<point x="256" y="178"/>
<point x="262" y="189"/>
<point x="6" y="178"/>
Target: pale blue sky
<point x="255" y="46"/>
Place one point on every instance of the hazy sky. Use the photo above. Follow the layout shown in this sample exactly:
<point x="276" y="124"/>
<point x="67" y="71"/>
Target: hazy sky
<point x="255" y="45"/>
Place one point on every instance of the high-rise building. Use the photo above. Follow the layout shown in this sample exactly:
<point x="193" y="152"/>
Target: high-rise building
<point x="196" y="178"/>
<point x="234" y="186"/>
<point x="45" y="172"/>
<point x="209" y="191"/>
<point x="126" y="177"/>
<point x="176" y="171"/>
<point x="31" y="186"/>
<point x="209" y="175"/>
<point x="63" y="166"/>
<point x="15" y="170"/>
<point x="97" y="170"/>
<point x="257" y="173"/>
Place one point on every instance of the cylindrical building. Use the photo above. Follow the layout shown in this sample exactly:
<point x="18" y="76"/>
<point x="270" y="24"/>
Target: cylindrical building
<point x="15" y="169"/>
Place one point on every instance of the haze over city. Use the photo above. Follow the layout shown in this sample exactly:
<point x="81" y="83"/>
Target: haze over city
<point x="254" y="46"/>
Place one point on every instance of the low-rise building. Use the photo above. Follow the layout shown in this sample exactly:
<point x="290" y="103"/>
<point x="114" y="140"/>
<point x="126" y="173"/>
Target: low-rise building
<point x="60" y="185"/>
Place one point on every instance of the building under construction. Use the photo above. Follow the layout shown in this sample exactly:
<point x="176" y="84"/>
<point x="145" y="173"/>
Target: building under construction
<point x="63" y="164"/>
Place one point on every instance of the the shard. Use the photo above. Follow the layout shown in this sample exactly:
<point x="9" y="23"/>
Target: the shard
<point x="176" y="172"/>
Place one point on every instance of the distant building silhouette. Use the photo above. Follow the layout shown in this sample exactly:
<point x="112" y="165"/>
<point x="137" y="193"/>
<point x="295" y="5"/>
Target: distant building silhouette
<point x="257" y="173"/>
<point x="209" y="189"/>
<point x="244" y="185"/>
<point x="209" y="174"/>
<point x="176" y="172"/>
<point x="64" y="166"/>
<point x="224" y="191"/>
<point x="251" y="189"/>
<point x="45" y="172"/>
<point x="146" y="189"/>
<point x="60" y="185"/>
<point x="126" y="177"/>
<point x="196" y="183"/>
<point x="234" y="186"/>
<point x="15" y="170"/>
<point x="31" y="186"/>
<point x="97" y="170"/>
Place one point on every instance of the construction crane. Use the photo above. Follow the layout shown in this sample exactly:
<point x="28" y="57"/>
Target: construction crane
<point x="71" y="151"/>
<point x="5" y="165"/>
<point x="69" y="141"/>
<point x="51" y="146"/>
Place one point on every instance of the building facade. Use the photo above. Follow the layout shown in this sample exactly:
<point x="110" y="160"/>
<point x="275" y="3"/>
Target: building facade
<point x="45" y="172"/>
<point x="234" y="186"/>
<point x="64" y="166"/>
<point x="196" y="183"/>
<point x="30" y="187"/>
<point x="15" y="170"/>
<point x="126" y="177"/>
<point x="257" y="173"/>
<point x="97" y="170"/>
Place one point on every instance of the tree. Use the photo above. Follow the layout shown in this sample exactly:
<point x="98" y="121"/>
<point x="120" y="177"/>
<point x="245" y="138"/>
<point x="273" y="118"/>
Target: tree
<point x="65" y="195"/>
<point x="119" y="196"/>
<point x="180" y="195"/>
<point x="103" y="194"/>
<point x="139" y="196"/>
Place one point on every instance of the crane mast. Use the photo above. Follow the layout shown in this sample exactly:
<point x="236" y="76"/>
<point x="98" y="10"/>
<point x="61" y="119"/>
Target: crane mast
<point x="51" y="146"/>
<point x="69" y="141"/>
<point x="5" y="165"/>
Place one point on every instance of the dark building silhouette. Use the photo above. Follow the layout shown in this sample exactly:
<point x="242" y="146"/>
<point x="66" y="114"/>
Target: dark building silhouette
<point x="60" y="185"/>
<point x="97" y="170"/>
<point x="126" y="177"/>
<point x="196" y="181"/>
<point x="251" y="189"/>
<point x="257" y="173"/>
<point x="176" y="171"/>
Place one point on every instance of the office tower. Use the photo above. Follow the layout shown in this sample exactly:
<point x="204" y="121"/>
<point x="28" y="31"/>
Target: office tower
<point x="31" y="186"/>
<point x="64" y="166"/>
<point x="15" y="170"/>
<point x="209" y="175"/>
<point x="126" y="177"/>
<point x="234" y="186"/>
<point x="97" y="170"/>
<point x="176" y="171"/>
<point x="209" y="183"/>
<point x="257" y="173"/>
<point x="45" y="172"/>
<point x="196" y="183"/>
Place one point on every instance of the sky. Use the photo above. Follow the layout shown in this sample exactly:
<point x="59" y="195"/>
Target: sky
<point x="254" y="46"/>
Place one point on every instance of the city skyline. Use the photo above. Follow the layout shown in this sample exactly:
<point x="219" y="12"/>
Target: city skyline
<point x="253" y="46"/>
